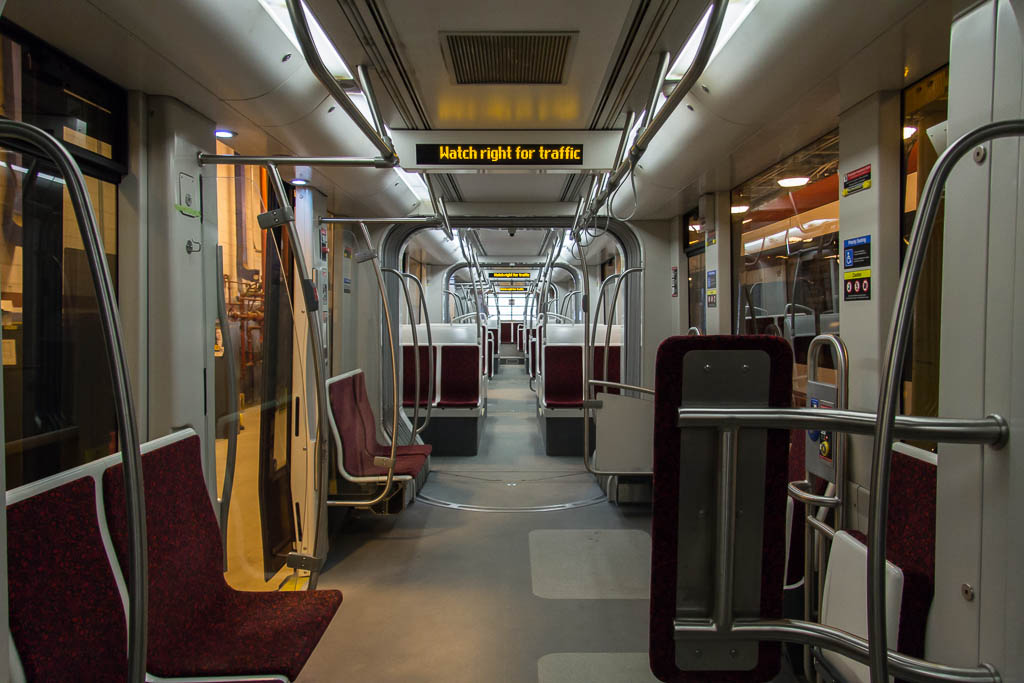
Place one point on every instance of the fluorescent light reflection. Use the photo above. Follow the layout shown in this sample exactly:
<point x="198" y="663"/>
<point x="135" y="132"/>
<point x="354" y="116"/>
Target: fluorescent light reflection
<point x="908" y="132"/>
<point x="796" y="181"/>
<point x="278" y="11"/>
<point x="735" y="14"/>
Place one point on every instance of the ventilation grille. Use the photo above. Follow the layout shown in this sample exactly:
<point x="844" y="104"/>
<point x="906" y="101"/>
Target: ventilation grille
<point x="507" y="58"/>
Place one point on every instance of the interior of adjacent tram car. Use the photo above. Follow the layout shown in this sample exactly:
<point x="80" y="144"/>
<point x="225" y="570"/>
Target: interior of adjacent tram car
<point x="603" y="341"/>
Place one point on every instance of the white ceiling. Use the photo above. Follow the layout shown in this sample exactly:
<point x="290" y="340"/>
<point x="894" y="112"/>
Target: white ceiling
<point x="599" y="23"/>
<point x="525" y="243"/>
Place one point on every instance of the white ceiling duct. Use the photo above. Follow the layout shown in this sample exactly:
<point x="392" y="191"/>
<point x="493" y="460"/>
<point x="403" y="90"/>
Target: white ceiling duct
<point x="784" y="50"/>
<point x="226" y="60"/>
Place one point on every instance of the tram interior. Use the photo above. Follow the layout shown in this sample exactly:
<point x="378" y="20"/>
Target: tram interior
<point x="576" y="342"/>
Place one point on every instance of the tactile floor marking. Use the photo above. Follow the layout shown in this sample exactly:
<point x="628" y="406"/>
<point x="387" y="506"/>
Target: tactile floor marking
<point x="590" y="564"/>
<point x="595" y="667"/>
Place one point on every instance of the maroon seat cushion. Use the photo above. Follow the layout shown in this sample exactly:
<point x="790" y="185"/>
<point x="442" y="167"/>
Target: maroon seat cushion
<point x="365" y="411"/>
<point x="460" y="384"/>
<point x="65" y="611"/>
<point x="665" y="524"/>
<point x="409" y="375"/>
<point x="563" y="376"/>
<point x="198" y="625"/>
<point x="910" y="544"/>
<point x="614" y="367"/>
<point x="506" y="333"/>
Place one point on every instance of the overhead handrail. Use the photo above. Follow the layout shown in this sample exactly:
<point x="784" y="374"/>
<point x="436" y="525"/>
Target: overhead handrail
<point x="694" y="332"/>
<point x="233" y="408"/>
<point x="416" y="353"/>
<point x="608" y="321"/>
<point x="253" y="160"/>
<point x="657" y="120"/>
<point x="324" y="75"/>
<point x="124" y="405"/>
<point x="620" y="385"/>
<point x="430" y="354"/>
<point x="895" y="350"/>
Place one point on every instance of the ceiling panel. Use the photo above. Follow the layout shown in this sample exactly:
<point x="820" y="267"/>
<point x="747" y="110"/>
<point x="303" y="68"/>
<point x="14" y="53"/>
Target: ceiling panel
<point x="418" y="26"/>
<point x="525" y="243"/>
<point x="510" y="187"/>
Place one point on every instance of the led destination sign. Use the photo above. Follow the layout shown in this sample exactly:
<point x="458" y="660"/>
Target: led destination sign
<point x="498" y="155"/>
<point x="509" y="276"/>
<point x="511" y="289"/>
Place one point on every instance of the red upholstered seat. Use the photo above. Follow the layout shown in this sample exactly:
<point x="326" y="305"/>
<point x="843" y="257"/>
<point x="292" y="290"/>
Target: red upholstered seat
<point x="910" y="544"/>
<point x="409" y="375"/>
<point x="198" y="625"/>
<point x="665" y="524"/>
<point x="614" y="367"/>
<point x="65" y="611"/>
<point x="460" y="384"/>
<point x="563" y="376"/>
<point x="358" y="432"/>
<point x="506" y="333"/>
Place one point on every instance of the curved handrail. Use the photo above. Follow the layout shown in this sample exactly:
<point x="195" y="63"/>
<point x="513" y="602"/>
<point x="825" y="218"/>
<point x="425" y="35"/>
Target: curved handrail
<point x="694" y="332"/>
<point x="600" y="298"/>
<point x="895" y="349"/>
<point x="842" y="362"/>
<point x="390" y="461"/>
<point x="124" y="405"/>
<point x="608" y="326"/>
<point x="323" y="74"/>
<point x="416" y="353"/>
<point x="430" y="353"/>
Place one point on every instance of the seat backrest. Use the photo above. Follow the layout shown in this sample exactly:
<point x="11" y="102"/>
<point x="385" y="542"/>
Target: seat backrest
<point x="353" y="420"/>
<point x="506" y="332"/>
<point x="614" y="367"/>
<point x="665" y="534"/>
<point x="409" y="374"/>
<point x="563" y="376"/>
<point x="460" y="375"/>
<point x="185" y="552"/>
<point x="66" y="615"/>
<point x="844" y="602"/>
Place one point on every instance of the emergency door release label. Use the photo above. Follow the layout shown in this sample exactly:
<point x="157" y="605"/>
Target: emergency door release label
<point x="430" y="154"/>
<point x="857" y="285"/>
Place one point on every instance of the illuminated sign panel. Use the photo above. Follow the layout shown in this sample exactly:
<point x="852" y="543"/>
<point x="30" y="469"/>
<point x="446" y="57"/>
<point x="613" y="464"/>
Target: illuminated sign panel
<point x="509" y="276"/>
<point x="431" y="154"/>
<point x="511" y="289"/>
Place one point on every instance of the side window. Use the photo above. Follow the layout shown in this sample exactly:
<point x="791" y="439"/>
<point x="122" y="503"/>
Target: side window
<point x="58" y="398"/>
<point x="786" y="223"/>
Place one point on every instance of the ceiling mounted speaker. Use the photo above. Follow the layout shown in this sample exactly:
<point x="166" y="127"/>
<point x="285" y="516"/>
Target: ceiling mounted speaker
<point x="507" y="58"/>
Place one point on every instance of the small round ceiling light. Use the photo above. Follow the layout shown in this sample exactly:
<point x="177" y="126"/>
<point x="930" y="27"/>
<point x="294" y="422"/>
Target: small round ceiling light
<point x="299" y="181"/>
<point x="224" y="133"/>
<point x="794" y="181"/>
<point x="908" y="132"/>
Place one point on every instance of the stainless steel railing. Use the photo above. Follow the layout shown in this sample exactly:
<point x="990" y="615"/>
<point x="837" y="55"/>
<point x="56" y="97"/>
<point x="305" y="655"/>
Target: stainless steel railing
<point x="124" y="405"/>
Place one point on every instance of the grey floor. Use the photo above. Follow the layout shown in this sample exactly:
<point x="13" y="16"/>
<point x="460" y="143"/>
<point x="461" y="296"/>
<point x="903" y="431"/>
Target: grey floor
<point x="437" y="594"/>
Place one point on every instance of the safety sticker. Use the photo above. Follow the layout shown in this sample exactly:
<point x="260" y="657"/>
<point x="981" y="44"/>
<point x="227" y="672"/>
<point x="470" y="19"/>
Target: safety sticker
<point x="857" y="285"/>
<point x="857" y="180"/>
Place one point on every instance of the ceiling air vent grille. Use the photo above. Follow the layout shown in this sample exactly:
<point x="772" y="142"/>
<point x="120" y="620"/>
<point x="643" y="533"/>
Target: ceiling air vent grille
<point x="519" y="58"/>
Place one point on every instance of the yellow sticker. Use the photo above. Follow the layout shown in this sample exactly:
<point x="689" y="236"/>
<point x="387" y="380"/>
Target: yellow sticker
<point x="856" y="274"/>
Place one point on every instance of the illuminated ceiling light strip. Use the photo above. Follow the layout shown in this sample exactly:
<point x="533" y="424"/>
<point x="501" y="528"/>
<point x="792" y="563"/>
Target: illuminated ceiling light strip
<point x="794" y="181"/>
<point x="735" y="14"/>
<point x="908" y="132"/>
<point x="739" y="208"/>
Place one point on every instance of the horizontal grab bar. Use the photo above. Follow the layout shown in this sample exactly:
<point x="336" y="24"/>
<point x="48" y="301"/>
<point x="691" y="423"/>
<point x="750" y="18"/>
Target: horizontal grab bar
<point x="619" y="385"/>
<point x="991" y="430"/>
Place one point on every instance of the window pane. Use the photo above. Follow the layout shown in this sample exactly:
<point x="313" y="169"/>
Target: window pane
<point x="58" y="397"/>
<point x="924" y="138"/>
<point x="787" y="275"/>
<point x="695" y="286"/>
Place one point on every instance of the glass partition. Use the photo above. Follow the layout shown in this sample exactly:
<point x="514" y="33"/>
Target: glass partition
<point x="786" y="277"/>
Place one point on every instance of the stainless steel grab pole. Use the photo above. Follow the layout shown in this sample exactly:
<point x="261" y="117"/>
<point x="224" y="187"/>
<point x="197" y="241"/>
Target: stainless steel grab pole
<point x="842" y="363"/>
<point x="301" y="28"/>
<point x="124" y="405"/>
<point x="895" y="350"/>
<point x="319" y="373"/>
<point x="430" y="353"/>
<point x="250" y="160"/>
<point x="992" y="430"/>
<point x="597" y="306"/>
<point x="416" y="352"/>
<point x="608" y="322"/>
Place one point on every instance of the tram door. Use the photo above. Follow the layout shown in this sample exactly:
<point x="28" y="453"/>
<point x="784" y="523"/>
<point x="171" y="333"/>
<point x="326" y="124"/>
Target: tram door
<point x="264" y="409"/>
